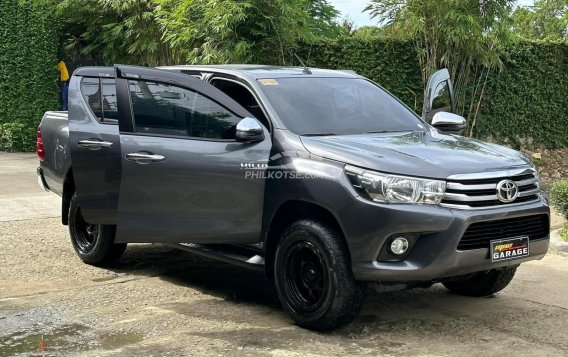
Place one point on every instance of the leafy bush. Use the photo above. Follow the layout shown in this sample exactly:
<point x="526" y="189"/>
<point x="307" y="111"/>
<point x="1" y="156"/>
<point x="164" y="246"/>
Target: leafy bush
<point x="28" y="56"/>
<point x="564" y="233"/>
<point x="17" y="136"/>
<point x="559" y="196"/>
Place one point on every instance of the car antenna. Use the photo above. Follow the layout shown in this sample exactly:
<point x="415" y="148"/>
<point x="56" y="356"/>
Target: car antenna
<point x="306" y="70"/>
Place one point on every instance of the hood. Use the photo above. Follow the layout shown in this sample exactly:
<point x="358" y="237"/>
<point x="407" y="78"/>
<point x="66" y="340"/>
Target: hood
<point x="429" y="154"/>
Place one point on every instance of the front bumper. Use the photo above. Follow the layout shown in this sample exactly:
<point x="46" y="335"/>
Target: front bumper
<point x="434" y="256"/>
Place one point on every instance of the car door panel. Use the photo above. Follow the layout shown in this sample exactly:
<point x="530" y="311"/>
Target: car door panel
<point x="183" y="189"/>
<point x="198" y="193"/>
<point x="95" y="159"/>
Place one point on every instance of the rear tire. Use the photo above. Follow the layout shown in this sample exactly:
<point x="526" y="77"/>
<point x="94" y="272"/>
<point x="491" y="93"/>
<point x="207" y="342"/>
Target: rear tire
<point x="93" y="243"/>
<point x="482" y="284"/>
<point x="314" y="279"/>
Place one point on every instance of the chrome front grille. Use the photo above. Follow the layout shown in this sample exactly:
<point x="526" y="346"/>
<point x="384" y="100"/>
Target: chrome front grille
<point x="473" y="191"/>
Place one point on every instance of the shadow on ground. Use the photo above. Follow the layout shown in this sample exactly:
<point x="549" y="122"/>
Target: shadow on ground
<point x="222" y="280"/>
<point x="257" y="294"/>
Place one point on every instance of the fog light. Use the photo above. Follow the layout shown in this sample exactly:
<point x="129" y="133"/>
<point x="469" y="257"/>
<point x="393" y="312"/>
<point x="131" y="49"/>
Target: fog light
<point x="399" y="245"/>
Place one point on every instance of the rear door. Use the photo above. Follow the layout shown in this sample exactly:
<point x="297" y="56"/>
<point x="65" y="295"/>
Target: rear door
<point x="94" y="143"/>
<point x="438" y="95"/>
<point x="182" y="178"/>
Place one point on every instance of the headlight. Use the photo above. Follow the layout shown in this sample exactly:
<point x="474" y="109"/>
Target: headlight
<point x="382" y="187"/>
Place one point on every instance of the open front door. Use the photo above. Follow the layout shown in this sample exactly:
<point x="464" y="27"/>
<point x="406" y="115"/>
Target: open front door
<point x="439" y="95"/>
<point x="182" y="179"/>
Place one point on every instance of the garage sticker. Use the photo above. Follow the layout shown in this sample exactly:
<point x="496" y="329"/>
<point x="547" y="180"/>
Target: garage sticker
<point x="512" y="248"/>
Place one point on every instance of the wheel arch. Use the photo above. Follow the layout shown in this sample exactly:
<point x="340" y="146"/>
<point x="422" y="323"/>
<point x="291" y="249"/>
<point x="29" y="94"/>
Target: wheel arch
<point x="286" y="214"/>
<point x="66" y="195"/>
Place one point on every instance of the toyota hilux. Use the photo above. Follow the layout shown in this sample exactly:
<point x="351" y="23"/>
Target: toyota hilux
<point x="322" y="179"/>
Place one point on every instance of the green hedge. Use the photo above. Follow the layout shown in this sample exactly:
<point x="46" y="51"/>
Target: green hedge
<point x="28" y="74"/>
<point x="527" y="103"/>
<point x="524" y="105"/>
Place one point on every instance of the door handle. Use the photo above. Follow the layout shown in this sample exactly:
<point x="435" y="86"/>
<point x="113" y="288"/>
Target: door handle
<point x="142" y="157"/>
<point x="94" y="144"/>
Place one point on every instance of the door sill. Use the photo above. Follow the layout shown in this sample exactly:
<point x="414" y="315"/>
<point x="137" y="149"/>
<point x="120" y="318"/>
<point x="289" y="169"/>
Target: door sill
<point x="225" y="253"/>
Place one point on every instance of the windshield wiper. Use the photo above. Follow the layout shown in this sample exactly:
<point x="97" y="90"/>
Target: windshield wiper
<point x="320" y="134"/>
<point x="390" y="131"/>
<point x="378" y="132"/>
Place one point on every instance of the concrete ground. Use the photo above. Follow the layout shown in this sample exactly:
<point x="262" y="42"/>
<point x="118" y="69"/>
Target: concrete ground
<point x="159" y="301"/>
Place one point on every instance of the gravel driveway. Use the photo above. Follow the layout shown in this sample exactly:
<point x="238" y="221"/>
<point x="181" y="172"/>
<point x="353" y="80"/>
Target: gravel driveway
<point x="158" y="301"/>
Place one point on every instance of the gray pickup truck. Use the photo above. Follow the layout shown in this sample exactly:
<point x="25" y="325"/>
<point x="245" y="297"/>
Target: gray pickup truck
<point x="320" y="178"/>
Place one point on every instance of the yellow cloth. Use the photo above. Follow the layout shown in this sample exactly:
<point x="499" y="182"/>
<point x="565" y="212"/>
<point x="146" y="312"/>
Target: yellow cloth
<point x="63" y="73"/>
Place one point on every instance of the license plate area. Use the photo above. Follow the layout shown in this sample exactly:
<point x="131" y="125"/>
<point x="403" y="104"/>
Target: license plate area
<point x="510" y="248"/>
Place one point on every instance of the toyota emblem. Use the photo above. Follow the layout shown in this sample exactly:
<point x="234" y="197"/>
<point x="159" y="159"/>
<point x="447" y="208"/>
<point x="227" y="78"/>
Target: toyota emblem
<point x="507" y="191"/>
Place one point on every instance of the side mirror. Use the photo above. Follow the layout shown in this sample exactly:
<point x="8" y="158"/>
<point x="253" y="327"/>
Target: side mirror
<point x="249" y="130"/>
<point x="448" y="122"/>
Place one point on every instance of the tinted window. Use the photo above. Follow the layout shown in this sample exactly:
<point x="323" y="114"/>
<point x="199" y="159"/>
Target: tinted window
<point x="92" y="94"/>
<point x="110" y="109"/>
<point x="168" y="110"/>
<point x="338" y="106"/>
<point x="102" y="103"/>
<point x="243" y="96"/>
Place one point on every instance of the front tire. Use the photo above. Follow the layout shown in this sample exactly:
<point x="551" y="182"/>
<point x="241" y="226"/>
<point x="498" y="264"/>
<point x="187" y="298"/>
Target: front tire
<point x="93" y="243"/>
<point x="314" y="279"/>
<point x="482" y="284"/>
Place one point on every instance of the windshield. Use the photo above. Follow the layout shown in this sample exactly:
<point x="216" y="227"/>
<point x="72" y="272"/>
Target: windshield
<point x="337" y="106"/>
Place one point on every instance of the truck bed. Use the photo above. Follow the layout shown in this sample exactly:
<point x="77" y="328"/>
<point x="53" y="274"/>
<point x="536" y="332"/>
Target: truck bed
<point x="54" y="129"/>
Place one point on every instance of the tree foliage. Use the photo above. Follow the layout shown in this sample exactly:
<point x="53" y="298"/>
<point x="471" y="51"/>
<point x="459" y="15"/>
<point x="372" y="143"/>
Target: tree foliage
<point x="370" y="32"/>
<point x="114" y="31"/>
<point x="221" y="31"/>
<point x="465" y="36"/>
<point x="159" y="32"/>
<point x="323" y="19"/>
<point x="546" y="20"/>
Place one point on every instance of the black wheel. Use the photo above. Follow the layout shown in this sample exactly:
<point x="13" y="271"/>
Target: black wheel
<point x="93" y="243"/>
<point x="482" y="284"/>
<point x="313" y="276"/>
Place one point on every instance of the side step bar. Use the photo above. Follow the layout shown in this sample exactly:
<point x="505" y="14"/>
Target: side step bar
<point x="224" y="253"/>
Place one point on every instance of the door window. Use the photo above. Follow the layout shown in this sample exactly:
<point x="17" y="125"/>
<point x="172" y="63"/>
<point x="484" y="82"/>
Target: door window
<point x="169" y="110"/>
<point x="91" y="91"/>
<point x="110" y="108"/>
<point x="243" y="96"/>
<point x="441" y="100"/>
<point x="100" y="95"/>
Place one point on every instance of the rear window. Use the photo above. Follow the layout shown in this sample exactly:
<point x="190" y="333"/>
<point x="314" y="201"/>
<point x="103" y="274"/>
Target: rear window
<point x="90" y="88"/>
<point x="100" y="95"/>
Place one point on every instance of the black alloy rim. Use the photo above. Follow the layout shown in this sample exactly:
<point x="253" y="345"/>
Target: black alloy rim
<point x="306" y="277"/>
<point x="86" y="234"/>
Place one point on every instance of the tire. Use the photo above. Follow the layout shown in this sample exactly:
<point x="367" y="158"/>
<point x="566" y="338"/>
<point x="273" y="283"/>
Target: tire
<point x="314" y="279"/>
<point x="482" y="284"/>
<point x="93" y="243"/>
